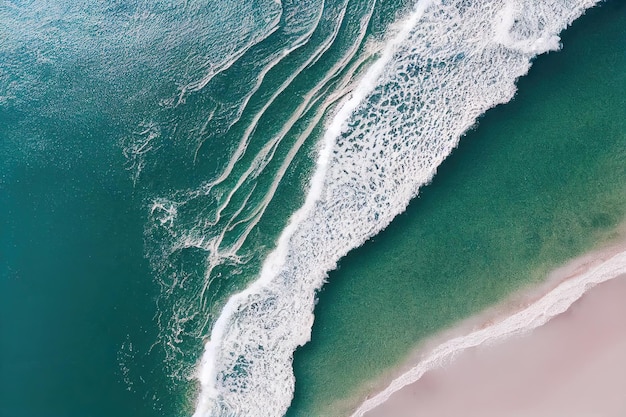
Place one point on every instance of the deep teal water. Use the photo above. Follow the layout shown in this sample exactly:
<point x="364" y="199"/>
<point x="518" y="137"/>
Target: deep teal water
<point x="99" y="307"/>
<point x="100" y="119"/>
<point x="73" y="277"/>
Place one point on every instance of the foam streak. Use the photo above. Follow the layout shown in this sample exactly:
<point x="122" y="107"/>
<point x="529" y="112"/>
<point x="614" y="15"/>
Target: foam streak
<point x="535" y="315"/>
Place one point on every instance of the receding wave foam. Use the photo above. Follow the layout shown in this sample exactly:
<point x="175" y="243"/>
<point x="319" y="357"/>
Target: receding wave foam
<point x="535" y="315"/>
<point x="446" y="64"/>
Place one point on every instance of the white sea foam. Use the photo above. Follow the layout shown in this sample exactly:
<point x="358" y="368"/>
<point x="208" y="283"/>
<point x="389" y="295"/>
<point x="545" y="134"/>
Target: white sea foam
<point x="212" y="222"/>
<point x="446" y="64"/>
<point x="537" y="314"/>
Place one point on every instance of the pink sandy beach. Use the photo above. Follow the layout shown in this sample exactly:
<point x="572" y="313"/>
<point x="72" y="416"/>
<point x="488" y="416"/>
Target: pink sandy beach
<point x="561" y="352"/>
<point x="573" y="366"/>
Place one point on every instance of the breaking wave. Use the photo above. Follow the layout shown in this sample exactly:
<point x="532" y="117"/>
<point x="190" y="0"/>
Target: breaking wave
<point x="446" y="63"/>
<point x="243" y="128"/>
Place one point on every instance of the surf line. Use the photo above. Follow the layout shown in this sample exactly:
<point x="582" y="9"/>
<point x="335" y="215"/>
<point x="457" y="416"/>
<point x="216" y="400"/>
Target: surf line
<point x="246" y="368"/>
<point x="207" y="370"/>
<point x="537" y="314"/>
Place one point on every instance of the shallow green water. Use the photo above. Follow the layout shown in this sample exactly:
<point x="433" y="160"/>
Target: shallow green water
<point x="540" y="180"/>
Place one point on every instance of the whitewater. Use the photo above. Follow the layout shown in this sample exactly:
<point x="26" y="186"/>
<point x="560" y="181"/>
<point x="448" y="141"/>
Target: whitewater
<point x="443" y="65"/>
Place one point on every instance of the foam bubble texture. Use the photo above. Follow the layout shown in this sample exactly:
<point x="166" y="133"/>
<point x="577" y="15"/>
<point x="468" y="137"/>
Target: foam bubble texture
<point x="448" y="62"/>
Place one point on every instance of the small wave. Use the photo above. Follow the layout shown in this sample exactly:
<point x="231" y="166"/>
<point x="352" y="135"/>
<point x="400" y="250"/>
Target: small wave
<point x="202" y="237"/>
<point x="137" y="145"/>
<point x="537" y="314"/>
<point x="448" y="62"/>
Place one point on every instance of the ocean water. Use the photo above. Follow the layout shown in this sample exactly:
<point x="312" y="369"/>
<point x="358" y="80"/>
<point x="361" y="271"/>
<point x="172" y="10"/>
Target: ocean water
<point x="152" y="154"/>
<point x="538" y="181"/>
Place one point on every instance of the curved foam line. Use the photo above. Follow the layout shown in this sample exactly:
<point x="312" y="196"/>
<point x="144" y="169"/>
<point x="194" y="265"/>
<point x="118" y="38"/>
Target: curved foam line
<point x="207" y="370"/>
<point x="245" y="139"/>
<point x="537" y="314"/>
<point x="265" y="155"/>
<point x="254" y="217"/>
<point x="274" y="59"/>
<point x="260" y="209"/>
<point x="202" y="82"/>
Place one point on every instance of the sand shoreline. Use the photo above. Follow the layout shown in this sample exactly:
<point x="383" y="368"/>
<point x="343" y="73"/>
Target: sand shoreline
<point x="519" y="314"/>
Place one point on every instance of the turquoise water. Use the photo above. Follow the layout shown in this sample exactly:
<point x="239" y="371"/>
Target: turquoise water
<point x="137" y="193"/>
<point x="113" y="115"/>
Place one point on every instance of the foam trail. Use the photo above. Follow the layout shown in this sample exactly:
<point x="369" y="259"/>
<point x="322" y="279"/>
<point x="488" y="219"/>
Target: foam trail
<point x="272" y="60"/>
<point x="267" y="154"/>
<point x="537" y="314"/>
<point x="253" y="218"/>
<point x="213" y="72"/>
<point x="292" y="26"/>
<point x="446" y="64"/>
<point x="245" y="139"/>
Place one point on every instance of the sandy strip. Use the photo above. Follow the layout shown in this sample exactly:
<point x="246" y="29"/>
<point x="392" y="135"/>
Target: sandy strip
<point x="573" y="356"/>
<point x="573" y="366"/>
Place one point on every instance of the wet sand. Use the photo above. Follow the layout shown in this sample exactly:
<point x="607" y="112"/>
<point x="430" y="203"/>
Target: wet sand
<point x="574" y="365"/>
